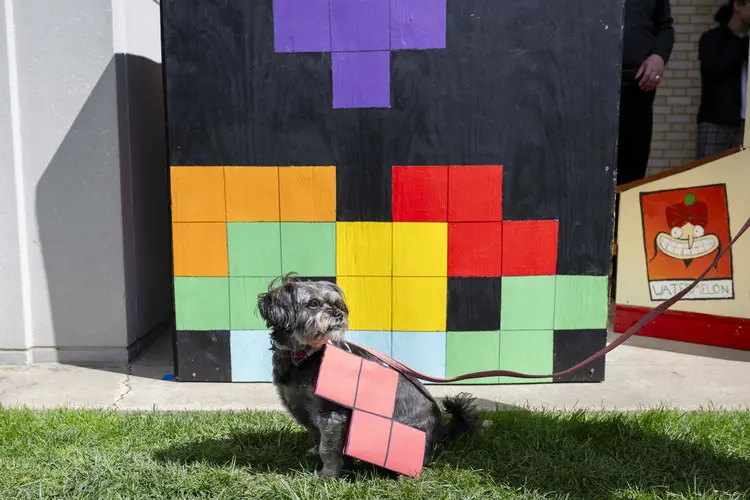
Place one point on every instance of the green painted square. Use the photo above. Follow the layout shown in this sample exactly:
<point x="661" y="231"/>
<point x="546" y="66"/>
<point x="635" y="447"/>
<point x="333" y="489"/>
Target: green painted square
<point x="473" y="352"/>
<point x="254" y="248"/>
<point x="527" y="351"/>
<point x="243" y="302"/>
<point x="308" y="248"/>
<point x="581" y="302"/>
<point x="201" y="303"/>
<point x="528" y="303"/>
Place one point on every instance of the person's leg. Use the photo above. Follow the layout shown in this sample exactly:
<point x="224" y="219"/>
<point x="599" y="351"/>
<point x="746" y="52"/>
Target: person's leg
<point x="704" y="140"/>
<point x="742" y="134"/>
<point x="738" y="136"/>
<point x="714" y="139"/>
<point x="624" y="139"/>
<point x="634" y="142"/>
<point x="633" y="147"/>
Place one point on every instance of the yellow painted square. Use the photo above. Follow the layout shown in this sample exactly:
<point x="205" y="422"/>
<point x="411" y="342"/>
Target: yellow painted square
<point x="369" y="300"/>
<point x="197" y="194"/>
<point x="420" y="249"/>
<point x="364" y="248"/>
<point x="252" y="194"/>
<point x="419" y="304"/>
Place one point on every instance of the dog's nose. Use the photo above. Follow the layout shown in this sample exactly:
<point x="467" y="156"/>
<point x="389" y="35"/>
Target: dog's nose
<point x="338" y="314"/>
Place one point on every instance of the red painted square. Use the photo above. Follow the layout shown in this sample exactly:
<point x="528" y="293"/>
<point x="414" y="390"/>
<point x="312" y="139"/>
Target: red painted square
<point x="368" y="437"/>
<point x="475" y="249"/>
<point x="530" y="248"/>
<point x="377" y="389"/>
<point x="338" y="376"/>
<point x="406" y="451"/>
<point x="475" y="193"/>
<point x="420" y="194"/>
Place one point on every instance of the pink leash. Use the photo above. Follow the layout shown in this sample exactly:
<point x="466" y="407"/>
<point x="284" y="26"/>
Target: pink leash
<point x="652" y="314"/>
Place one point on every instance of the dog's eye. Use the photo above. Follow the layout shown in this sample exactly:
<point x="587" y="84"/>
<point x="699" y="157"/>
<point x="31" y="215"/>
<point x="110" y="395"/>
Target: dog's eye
<point x="314" y="304"/>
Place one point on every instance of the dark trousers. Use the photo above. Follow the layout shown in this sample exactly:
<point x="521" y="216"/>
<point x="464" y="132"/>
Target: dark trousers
<point x="636" y="124"/>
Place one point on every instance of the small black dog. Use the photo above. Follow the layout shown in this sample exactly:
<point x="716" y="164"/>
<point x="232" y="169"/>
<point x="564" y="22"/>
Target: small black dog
<point x="304" y="315"/>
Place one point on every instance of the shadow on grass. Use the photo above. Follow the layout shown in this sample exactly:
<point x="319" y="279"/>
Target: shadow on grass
<point x="280" y="451"/>
<point x="265" y="450"/>
<point x="581" y="455"/>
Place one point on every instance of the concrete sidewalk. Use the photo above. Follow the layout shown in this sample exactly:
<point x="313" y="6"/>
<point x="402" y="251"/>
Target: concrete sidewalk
<point x="643" y="373"/>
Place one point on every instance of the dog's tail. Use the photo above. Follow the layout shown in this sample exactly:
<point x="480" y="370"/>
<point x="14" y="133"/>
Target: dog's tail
<point x="463" y="414"/>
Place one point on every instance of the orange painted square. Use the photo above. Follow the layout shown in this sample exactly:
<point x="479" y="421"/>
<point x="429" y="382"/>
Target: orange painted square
<point x="200" y="248"/>
<point x="197" y="194"/>
<point x="308" y="194"/>
<point x="252" y="194"/>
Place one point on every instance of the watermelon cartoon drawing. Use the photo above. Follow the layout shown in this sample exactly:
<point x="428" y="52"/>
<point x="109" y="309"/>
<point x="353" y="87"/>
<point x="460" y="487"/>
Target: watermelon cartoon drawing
<point x="687" y="239"/>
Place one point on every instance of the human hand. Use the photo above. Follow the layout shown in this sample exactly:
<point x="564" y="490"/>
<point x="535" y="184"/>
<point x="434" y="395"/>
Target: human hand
<point x="650" y="73"/>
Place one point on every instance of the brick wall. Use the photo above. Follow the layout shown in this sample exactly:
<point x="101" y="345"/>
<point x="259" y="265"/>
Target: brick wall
<point x="678" y="97"/>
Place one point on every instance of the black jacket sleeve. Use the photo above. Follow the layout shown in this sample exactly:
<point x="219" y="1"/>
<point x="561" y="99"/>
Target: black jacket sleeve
<point x="664" y="27"/>
<point x="721" y="56"/>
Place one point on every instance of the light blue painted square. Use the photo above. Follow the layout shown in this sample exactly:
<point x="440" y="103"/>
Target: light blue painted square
<point x="421" y="351"/>
<point x="380" y="341"/>
<point x="251" y="355"/>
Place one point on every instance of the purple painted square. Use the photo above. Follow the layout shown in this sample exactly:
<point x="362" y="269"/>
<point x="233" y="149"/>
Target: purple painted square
<point x="418" y="24"/>
<point x="301" y="26"/>
<point x="359" y="25"/>
<point x="361" y="79"/>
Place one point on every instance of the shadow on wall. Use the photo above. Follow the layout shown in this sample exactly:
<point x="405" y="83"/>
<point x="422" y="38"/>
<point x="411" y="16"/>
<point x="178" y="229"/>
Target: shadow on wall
<point x="102" y="210"/>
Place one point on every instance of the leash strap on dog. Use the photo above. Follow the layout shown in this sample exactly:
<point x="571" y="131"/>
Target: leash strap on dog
<point x="652" y="314"/>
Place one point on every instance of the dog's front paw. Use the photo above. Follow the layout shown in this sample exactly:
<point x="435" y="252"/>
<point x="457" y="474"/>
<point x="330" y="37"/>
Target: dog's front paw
<point x="328" y="473"/>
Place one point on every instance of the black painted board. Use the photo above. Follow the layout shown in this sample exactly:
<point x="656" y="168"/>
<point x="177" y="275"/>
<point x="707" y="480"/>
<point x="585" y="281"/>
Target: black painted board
<point x="203" y="356"/>
<point x="573" y="346"/>
<point x="363" y="177"/>
<point x="530" y="85"/>
<point x="474" y="304"/>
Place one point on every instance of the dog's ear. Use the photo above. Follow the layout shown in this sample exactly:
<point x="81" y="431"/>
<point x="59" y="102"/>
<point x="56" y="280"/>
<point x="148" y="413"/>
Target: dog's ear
<point x="278" y="307"/>
<point x="341" y="303"/>
<point x="334" y="287"/>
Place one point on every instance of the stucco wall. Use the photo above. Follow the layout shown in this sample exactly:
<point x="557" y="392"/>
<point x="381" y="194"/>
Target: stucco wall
<point x="11" y="301"/>
<point x="84" y="220"/>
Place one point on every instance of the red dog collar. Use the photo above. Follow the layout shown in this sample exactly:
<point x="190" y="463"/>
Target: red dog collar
<point x="297" y="357"/>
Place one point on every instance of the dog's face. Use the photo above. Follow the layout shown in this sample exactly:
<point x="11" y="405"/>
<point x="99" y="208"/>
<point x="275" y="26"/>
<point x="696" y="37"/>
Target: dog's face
<point x="302" y="314"/>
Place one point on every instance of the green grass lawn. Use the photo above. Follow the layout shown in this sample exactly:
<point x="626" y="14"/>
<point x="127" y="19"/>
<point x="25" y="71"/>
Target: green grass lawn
<point x="519" y="454"/>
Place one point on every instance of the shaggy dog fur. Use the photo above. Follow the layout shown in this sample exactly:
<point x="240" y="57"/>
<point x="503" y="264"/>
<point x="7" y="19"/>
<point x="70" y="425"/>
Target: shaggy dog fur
<point x="303" y="315"/>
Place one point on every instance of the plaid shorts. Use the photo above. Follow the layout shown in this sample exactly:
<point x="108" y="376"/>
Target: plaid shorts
<point x="713" y="138"/>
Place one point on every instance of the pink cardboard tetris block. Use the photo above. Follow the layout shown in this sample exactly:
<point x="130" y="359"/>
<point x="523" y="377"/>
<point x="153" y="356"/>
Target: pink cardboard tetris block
<point x="386" y="443"/>
<point x="406" y="451"/>
<point x="338" y="376"/>
<point x="370" y="390"/>
<point x="368" y="437"/>
<point x="354" y="382"/>
<point x="376" y="392"/>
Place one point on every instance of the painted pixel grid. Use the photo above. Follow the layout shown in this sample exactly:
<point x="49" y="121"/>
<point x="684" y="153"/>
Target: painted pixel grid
<point x="360" y="35"/>
<point x="448" y="286"/>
